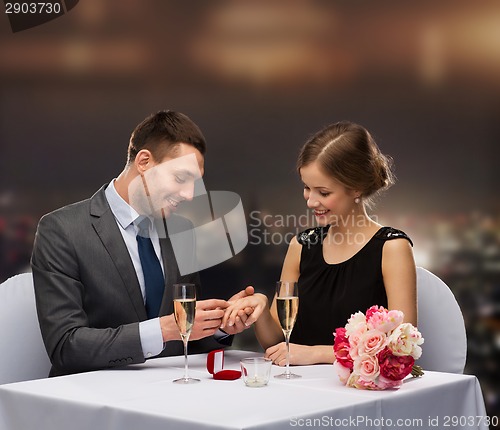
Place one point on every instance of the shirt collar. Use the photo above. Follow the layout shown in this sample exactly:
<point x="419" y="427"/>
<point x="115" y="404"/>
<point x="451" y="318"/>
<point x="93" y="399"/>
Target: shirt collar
<point x="123" y="212"/>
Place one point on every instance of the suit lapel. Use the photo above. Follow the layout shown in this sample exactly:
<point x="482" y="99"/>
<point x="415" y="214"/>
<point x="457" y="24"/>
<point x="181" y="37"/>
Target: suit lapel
<point x="105" y="226"/>
<point x="170" y="268"/>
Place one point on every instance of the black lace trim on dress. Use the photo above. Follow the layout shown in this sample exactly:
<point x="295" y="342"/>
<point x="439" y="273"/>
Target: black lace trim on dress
<point x="312" y="236"/>
<point x="388" y="233"/>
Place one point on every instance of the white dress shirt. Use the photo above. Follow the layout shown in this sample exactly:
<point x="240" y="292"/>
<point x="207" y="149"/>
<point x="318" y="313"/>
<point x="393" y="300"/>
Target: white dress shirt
<point x="125" y="216"/>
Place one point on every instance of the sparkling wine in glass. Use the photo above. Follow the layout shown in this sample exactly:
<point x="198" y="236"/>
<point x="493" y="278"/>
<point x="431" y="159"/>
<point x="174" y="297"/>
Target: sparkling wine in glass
<point x="184" y="312"/>
<point x="287" y="303"/>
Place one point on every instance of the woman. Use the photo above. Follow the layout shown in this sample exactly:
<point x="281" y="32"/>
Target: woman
<point x="348" y="263"/>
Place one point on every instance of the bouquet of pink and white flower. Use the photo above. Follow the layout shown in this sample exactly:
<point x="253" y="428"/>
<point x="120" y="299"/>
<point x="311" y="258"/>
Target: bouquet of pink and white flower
<point x="377" y="351"/>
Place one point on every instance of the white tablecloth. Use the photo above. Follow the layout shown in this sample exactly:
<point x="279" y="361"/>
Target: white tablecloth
<point x="144" y="397"/>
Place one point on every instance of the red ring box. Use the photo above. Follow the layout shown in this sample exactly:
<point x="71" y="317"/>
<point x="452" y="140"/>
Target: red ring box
<point x="215" y="366"/>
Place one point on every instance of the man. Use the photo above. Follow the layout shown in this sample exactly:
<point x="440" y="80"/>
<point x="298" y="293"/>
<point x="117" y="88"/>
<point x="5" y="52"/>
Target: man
<point x="104" y="268"/>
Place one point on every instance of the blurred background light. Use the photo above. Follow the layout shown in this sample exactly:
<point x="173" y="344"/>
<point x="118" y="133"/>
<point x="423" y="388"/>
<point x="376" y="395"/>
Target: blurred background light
<point x="269" y="42"/>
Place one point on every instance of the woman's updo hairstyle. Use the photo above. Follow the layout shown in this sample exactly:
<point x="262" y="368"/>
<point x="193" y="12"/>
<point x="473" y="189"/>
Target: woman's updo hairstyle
<point x="347" y="152"/>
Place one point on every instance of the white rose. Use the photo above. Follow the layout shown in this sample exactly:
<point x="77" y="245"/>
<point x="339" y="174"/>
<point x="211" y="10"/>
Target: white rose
<point x="405" y="340"/>
<point x="357" y="323"/>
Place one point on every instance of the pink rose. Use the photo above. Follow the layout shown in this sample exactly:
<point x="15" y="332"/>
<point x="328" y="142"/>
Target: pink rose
<point x="339" y="337"/>
<point x="394" y="318"/>
<point x="354" y="340"/>
<point x="384" y="320"/>
<point x="356" y="381"/>
<point x="373" y="310"/>
<point x="343" y="372"/>
<point x="341" y="348"/>
<point x="384" y="383"/>
<point x="393" y="367"/>
<point x="367" y="367"/>
<point x="372" y="342"/>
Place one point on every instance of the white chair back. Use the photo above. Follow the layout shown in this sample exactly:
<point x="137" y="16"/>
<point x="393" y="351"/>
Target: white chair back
<point x="442" y="325"/>
<point x="22" y="354"/>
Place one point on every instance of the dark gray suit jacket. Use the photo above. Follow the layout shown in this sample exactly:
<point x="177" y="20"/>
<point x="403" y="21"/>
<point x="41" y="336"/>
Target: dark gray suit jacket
<point x="88" y="298"/>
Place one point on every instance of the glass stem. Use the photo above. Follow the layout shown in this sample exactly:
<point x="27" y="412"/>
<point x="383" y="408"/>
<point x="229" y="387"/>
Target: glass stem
<point x="185" y="341"/>
<point x="287" y="340"/>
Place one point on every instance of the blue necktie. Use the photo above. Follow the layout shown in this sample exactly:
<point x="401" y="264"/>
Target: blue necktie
<point x="153" y="275"/>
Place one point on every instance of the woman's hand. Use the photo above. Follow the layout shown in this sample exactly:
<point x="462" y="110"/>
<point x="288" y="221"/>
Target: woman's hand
<point x="247" y="309"/>
<point x="300" y="355"/>
<point x="241" y="319"/>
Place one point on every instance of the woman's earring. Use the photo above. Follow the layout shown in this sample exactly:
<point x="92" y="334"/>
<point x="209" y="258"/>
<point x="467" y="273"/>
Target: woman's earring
<point x="357" y="200"/>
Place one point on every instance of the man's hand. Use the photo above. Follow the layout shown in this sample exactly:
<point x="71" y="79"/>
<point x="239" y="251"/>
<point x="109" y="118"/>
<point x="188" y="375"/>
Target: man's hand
<point x="208" y="318"/>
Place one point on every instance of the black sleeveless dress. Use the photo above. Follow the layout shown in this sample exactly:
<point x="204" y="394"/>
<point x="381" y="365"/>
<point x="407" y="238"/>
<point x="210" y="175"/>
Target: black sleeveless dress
<point x="330" y="293"/>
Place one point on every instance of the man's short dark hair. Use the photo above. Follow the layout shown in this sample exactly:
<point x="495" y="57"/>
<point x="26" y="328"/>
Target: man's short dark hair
<point x="161" y="132"/>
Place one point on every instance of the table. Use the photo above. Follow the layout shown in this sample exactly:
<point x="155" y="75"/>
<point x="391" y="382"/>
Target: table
<point x="144" y="397"/>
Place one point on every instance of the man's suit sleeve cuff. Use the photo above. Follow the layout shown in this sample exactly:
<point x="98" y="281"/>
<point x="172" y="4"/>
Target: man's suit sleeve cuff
<point x="151" y="337"/>
<point x="223" y="338"/>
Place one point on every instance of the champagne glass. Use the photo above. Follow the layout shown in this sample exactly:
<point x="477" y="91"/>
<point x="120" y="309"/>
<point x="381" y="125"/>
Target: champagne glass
<point x="184" y="312"/>
<point x="287" y="303"/>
